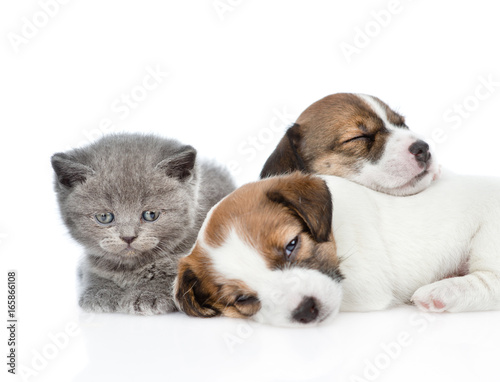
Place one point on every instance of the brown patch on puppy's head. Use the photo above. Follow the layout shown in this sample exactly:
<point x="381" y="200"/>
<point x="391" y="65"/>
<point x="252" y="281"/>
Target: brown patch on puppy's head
<point x="308" y="201"/>
<point x="392" y="116"/>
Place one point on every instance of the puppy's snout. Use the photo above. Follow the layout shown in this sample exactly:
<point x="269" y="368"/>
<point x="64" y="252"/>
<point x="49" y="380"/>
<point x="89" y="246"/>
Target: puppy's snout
<point x="307" y="311"/>
<point x="421" y="151"/>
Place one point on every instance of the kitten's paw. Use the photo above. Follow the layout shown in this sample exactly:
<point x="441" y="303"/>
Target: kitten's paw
<point x="100" y="300"/>
<point x="438" y="297"/>
<point x="146" y="302"/>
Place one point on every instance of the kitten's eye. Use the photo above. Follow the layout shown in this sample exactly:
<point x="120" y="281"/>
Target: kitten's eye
<point x="290" y="248"/>
<point x="105" y="217"/>
<point x="150" y="216"/>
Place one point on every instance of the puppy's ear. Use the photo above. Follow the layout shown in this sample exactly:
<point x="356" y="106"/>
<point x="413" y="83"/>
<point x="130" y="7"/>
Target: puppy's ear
<point x="68" y="171"/>
<point x="309" y="199"/>
<point x="190" y="295"/>
<point x="286" y="157"/>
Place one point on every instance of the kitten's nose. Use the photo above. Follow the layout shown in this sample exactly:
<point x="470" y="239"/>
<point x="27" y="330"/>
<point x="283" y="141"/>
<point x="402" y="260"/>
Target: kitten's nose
<point x="128" y="239"/>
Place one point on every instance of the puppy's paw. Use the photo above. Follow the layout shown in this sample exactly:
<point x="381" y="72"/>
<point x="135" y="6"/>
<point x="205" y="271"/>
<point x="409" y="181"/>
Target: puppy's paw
<point x="438" y="297"/>
<point x="147" y="302"/>
<point x="102" y="300"/>
<point x="437" y="174"/>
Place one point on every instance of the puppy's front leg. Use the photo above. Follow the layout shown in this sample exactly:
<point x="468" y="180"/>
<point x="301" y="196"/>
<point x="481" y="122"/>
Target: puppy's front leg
<point x="479" y="290"/>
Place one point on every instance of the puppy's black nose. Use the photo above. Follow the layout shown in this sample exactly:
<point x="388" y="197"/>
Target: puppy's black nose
<point x="421" y="151"/>
<point x="307" y="311"/>
<point x="128" y="239"/>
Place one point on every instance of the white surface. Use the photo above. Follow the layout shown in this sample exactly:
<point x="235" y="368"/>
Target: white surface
<point x="227" y="81"/>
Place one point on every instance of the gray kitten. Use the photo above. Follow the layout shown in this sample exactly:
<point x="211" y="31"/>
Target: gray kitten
<point x="136" y="203"/>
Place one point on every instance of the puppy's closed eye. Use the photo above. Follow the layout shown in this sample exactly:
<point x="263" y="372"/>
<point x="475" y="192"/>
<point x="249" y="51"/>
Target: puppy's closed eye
<point x="366" y="137"/>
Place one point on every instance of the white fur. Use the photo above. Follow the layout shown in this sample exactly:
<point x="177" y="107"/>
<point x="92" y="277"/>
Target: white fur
<point x="396" y="171"/>
<point x="391" y="251"/>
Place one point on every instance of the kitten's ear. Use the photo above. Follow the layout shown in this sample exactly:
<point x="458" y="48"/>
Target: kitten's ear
<point x="179" y="165"/>
<point x="69" y="172"/>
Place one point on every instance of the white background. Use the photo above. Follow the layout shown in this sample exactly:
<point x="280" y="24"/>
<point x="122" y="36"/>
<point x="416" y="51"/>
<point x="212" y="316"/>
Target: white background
<point x="231" y="73"/>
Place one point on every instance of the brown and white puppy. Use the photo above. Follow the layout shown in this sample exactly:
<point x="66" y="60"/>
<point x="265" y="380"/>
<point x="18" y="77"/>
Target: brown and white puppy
<point x="294" y="250"/>
<point x="286" y="229"/>
<point x="357" y="137"/>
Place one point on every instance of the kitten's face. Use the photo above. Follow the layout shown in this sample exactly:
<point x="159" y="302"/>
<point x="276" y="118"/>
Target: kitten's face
<point x="153" y="215"/>
<point x="127" y="208"/>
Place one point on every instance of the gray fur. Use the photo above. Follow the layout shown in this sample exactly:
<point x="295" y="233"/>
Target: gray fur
<point x="127" y="174"/>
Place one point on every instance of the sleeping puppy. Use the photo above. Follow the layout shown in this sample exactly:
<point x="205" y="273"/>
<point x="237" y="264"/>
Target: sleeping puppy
<point x="293" y="250"/>
<point x="357" y="137"/>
